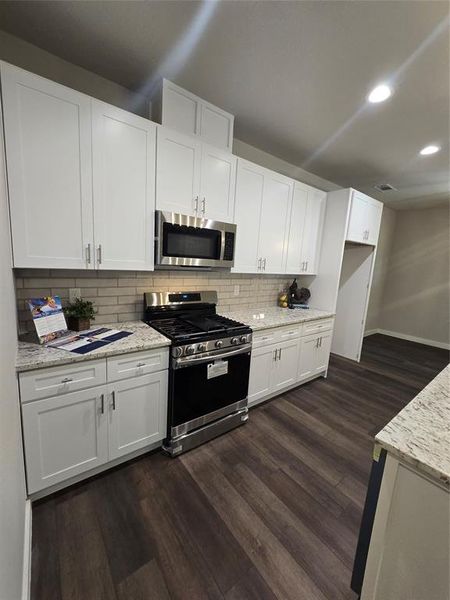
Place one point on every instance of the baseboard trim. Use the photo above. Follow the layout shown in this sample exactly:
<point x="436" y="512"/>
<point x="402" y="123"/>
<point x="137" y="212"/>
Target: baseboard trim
<point x="26" y="574"/>
<point x="409" y="338"/>
<point x="371" y="332"/>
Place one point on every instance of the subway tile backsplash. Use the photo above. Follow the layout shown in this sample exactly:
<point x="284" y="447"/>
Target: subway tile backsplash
<point x="118" y="295"/>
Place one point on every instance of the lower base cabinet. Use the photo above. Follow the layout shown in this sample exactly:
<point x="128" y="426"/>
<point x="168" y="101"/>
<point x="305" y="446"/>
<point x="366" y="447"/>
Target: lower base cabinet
<point x="64" y="436"/>
<point x="314" y="355"/>
<point x="138" y="413"/>
<point x="278" y="366"/>
<point x="74" y="432"/>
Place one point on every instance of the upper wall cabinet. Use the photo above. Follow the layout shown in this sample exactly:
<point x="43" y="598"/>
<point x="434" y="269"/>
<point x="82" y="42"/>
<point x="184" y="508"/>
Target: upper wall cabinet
<point x="49" y="162"/>
<point x="124" y="192"/>
<point x="178" y="109"/>
<point x="305" y="229"/>
<point x="81" y="177"/>
<point x="262" y="208"/>
<point x="364" y="220"/>
<point x="194" y="178"/>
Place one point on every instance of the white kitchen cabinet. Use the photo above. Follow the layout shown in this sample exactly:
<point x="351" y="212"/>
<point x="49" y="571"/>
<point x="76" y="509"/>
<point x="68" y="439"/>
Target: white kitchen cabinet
<point x="194" y="178"/>
<point x="312" y="232"/>
<point x="306" y="222"/>
<point x="124" y="197"/>
<point x="217" y="184"/>
<point x="183" y="111"/>
<point x="247" y="214"/>
<point x="138" y="413"/>
<point x="64" y="436"/>
<point x="284" y="373"/>
<point x="262" y="206"/>
<point x="48" y="148"/>
<point x="276" y="206"/>
<point x="364" y="220"/>
<point x="178" y="166"/>
<point x="314" y="355"/>
<point x="259" y="385"/>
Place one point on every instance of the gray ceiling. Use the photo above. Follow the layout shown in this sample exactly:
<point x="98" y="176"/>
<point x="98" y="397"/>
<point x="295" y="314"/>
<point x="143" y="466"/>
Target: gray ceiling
<point x="295" y="74"/>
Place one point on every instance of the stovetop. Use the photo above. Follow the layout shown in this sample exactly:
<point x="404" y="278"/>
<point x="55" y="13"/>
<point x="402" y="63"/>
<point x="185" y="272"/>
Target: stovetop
<point x="197" y="327"/>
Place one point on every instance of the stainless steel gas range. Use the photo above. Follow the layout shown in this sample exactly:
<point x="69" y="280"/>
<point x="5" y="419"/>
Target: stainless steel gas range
<point x="208" y="370"/>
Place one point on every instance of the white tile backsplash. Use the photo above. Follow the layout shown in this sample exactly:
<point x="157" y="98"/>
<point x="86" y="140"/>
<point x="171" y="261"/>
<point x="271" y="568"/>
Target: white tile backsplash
<point x="118" y="295"/>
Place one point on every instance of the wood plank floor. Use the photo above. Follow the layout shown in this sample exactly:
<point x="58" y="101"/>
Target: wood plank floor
<point x="270" y="510"/>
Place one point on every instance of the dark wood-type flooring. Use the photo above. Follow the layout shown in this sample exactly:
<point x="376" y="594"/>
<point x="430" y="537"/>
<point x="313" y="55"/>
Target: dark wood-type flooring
<point x="270" y="510"/>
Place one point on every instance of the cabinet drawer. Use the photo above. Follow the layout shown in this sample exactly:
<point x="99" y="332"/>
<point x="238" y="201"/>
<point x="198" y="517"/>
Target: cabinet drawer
<point x="317" y="326"/>
<point x="137" y="363"/>
<point x="275" y="335"/>
<point x="54" y="381"/>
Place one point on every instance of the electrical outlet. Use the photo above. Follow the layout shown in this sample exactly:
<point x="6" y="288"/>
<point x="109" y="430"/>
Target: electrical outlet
<point x="74" y="293"/>
<point x="236" y="290"/>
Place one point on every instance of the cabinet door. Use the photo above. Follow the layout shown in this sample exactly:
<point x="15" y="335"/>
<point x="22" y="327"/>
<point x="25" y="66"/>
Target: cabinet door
<point x="64" y="436"/>
<point x="276" y="207"/>
<point x="138" y="413"/>
<point x="218" y="178"/>
<point x="308" y="356"/>
<point x="261" y="366"/>
<point x="124" y="184"/>
<point x="323" y="352"/>
<point x="312" y="233"/>
<point x="49" y="163"/>
<point x="285" y="368"/>
<point x="178" y="159"/>
<point x="180" y="109"/>
<point x="216" y="126"/>
<point x="374" y="222"/>
<point x="358" y="221"/>
<point x="295" y="262"/>
<point x="247" y="212"/>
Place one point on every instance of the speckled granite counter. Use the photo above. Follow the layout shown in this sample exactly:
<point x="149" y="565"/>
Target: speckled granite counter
<point x="264" y="318"/>
<point x="420" y="433"/>
<point x="33" y="356"/>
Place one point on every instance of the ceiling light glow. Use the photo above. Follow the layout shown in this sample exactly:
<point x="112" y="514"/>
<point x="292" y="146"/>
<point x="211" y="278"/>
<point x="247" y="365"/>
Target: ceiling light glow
<point x="380" y="93"/>
<point x="432" y="149"/>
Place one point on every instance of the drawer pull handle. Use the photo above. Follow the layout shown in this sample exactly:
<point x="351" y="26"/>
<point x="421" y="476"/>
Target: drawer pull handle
<point x="102" y="409"/>
<point x="140" y="364"/>
<point x="66" y="380"/>
<point x="114" y="400"/>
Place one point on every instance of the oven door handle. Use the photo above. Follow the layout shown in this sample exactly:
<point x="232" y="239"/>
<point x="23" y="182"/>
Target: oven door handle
<point x="188" y="361"/>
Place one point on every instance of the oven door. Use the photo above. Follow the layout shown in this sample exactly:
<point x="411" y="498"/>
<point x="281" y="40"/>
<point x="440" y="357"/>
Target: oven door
<point x="205" y="389"/>
<point x="183" y="240"/>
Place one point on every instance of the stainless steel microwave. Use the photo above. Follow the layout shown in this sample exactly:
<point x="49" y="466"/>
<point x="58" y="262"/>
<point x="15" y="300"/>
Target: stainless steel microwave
<point x="185" y="241"/>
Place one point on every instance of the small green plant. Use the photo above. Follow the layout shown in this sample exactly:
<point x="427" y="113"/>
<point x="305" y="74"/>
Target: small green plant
<point x="80" y="309"/>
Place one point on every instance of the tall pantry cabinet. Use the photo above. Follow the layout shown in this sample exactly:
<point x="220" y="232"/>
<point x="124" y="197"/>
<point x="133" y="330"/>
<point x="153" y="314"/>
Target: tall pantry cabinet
<point x="350" y="237"/>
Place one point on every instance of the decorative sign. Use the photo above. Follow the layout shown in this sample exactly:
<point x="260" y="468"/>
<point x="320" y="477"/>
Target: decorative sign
<point x="48" y="318"/>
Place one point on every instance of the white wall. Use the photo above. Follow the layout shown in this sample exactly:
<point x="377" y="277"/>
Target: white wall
<point x="415" y="298"/>
<point x="384" y="248"/>
<point x="12" y="478"/>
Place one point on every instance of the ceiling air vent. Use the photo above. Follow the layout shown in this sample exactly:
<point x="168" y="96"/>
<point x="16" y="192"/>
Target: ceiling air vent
<point x="385" y="187"/>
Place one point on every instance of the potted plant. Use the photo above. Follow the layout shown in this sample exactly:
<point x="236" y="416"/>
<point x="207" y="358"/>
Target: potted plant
<point x="79" y="314"/>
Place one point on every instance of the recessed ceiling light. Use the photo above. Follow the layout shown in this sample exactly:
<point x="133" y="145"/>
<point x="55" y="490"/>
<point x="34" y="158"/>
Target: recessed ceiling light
<point x="429" y="150"/>
<point x="380" y="93"/>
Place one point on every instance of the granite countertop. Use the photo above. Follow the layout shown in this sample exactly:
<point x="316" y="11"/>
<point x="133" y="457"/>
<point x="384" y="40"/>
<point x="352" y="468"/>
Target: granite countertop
<point x="264" y="318"/>
<point x="420" y="433"/>
<point x="34" y="356"/>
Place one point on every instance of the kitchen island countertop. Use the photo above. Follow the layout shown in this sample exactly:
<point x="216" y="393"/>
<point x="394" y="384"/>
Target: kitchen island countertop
<point x="420" y="433"/>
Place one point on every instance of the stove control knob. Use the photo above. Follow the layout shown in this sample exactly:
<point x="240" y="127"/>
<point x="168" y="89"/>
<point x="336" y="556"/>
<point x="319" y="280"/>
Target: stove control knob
<point x="219" y="344"/>
<point x="190" y="349"/>
<point x="234" y="341"/>
<point x="201" y="347"/>
<point x="243" y="339"/>
<point x="177" y="351"/>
